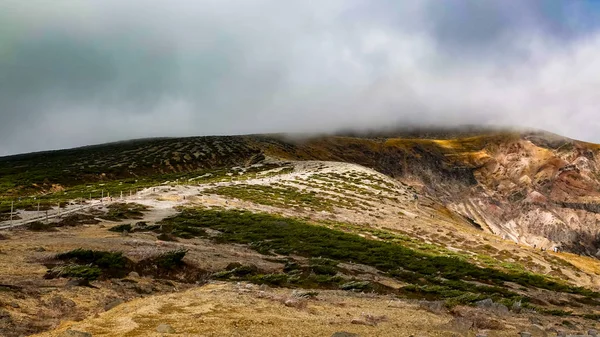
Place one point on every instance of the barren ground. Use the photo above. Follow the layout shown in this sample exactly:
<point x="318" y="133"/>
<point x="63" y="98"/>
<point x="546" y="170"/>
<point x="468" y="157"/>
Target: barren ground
<point x="361" y="199"/>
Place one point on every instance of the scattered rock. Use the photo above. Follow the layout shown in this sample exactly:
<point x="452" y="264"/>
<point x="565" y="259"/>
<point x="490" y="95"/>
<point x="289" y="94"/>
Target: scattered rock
<point x="490" y="305"/>
<point x="373" y="319"/>
<point x="535" y="320"/>
<point x="294" y="303"/>
<point x="75" y="333"/>
<point x="112" y="304"/>
<point x="487" y="303"/>
<point x="134" y="274"/>
<point x="345" y="334"/>
<point x="461" y="324"/>
<point x="561" y="333"/>
<point x="165" y="328"/>
<point x="304" y="294"/>
<point x="435" y="307"/>
<point x="59" y="301"/>
<point x="143" y="288"/>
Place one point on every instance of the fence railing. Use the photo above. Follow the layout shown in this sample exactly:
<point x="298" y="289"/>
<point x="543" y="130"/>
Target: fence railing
<point x="12" y="223"/>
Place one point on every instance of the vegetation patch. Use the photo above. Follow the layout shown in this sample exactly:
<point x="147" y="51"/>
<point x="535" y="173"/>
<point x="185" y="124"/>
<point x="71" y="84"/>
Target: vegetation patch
<point x="437" y="276"/>
<point x="77" y="219"/>
<point x="121" y="228"/>
<point x="93" y="264"/>
<point x="321" y="266"/>
<point x="39" y="226"/>
<point x="122" y="211"/>
<point x="286" y="196"/>
<point x="170" y="265"/>
<point x="89" y="264"/>
<point x="85" y="272"/>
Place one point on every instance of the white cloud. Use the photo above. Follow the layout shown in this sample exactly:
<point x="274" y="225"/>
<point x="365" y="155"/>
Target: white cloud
<point x="74" y="73"/>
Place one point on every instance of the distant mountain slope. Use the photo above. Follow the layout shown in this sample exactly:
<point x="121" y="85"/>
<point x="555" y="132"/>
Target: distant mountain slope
<point x="532" y="187"/>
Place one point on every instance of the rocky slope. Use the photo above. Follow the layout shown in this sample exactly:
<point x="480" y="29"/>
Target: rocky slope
<point x="367" y="234"/>
<point x="531" y="187"/>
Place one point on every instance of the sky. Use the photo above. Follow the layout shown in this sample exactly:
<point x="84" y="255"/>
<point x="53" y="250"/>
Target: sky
<point x="76" y="73"/>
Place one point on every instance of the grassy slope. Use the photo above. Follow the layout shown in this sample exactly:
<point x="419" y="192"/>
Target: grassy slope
<point x="432" y="274"/>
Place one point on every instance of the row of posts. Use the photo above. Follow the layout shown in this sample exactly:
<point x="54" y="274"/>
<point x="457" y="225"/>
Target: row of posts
<point x="12" y="204"/>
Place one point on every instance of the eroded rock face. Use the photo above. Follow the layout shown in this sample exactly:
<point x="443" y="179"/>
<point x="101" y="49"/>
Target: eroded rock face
<point x="530" y="187"/>
<point x="537" y="191"/>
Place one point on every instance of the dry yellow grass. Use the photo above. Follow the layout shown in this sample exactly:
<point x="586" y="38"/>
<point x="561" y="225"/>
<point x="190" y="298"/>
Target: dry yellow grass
<point x="225" y="309"/>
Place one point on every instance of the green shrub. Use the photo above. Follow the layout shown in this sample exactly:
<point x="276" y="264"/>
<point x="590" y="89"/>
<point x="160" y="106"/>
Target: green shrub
<point x="104" y="260"/>
<point x="555" y="312"/>
<point x="39" y="226"/>
<point x="84" y="272"/>
<point x="170" y="260"/>
<point x="121" y="228"/>
<point x="594" y="317"/>
<point x="270" y="279"/>
<point x="322" y="266"/>
<point x="463" y="299"/>
<point x="356" y="285"/>
<point x="121" y="211"/>
<point x="236" y="269"/>
<point x="111" y="264"/>
<point x="323" y="270"/>
<point x="270" y="234"/>
<point x="291" y="266"/>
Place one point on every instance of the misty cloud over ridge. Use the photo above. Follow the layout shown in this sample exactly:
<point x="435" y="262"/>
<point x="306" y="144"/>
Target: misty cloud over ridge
<point x="75" y="73"/>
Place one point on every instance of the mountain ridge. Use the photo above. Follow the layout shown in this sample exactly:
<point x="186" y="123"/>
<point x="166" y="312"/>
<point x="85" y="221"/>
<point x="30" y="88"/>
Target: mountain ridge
<point x="527" y="185"/>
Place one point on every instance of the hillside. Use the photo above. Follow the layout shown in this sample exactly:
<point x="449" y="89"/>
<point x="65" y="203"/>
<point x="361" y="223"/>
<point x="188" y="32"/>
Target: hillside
<point x="531" y="187"/>
<point x="368" y="233"/>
